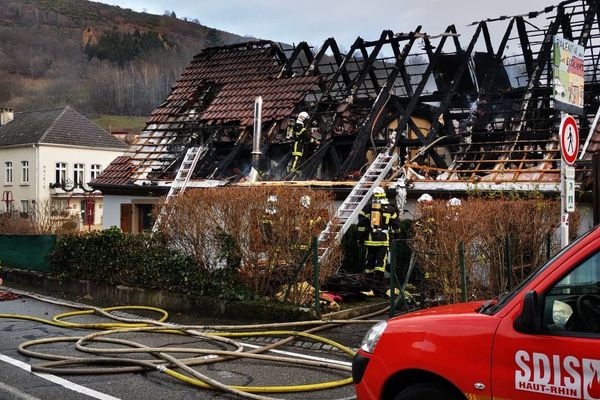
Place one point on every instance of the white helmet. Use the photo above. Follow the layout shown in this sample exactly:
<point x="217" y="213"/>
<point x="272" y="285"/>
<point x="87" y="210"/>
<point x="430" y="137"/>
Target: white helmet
<point x="379" y="192"/>
<point x="424" y="199"/>
<point x="454" y="202"/>
<point x="302" y="117"/>
<point x="305" y="201"/>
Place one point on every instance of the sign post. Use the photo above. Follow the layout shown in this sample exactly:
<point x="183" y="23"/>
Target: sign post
<point x="567" y="84"/>
<point x="569" y="149"/>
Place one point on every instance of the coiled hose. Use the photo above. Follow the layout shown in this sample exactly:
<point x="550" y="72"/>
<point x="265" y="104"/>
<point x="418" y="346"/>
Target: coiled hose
<point x="109" y="360"/>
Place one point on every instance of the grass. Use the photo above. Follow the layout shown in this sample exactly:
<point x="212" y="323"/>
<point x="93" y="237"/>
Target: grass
<point x="120" y="122"/>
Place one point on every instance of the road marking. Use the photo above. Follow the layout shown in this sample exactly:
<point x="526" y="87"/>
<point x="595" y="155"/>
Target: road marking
<point x="59" y="381"/>
<point x="16" y="393"/>
<point x="306" y="356"/>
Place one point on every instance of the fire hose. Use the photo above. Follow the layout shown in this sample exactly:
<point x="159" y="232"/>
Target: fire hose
<point x="108" y="360"/>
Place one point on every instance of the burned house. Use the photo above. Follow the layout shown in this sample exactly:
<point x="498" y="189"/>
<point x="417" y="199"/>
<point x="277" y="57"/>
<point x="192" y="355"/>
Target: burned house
<point x="459" y="111"/>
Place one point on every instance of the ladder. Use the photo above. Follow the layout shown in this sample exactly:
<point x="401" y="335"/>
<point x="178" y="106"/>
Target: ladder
<point x="359" y="196"/>
<point x="186" y="169"/>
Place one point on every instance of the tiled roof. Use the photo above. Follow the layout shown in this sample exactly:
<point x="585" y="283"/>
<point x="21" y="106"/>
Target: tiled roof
<point x="117" y="173"/>
<point x="235" y="77"/>
<point x="56" y="126"/>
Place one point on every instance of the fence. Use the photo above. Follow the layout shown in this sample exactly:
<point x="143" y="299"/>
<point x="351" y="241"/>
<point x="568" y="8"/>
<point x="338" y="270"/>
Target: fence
<point x="428" y="278"/>
<point x="28" y="252"/>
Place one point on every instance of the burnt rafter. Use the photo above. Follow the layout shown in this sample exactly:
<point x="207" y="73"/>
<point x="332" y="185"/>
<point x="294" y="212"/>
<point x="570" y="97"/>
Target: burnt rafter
<point x="525" y="47"/>
<point x="419" y="90"/>
<point x="329" y="44"/>
<point x="366" y="130"/>
<point x="451" y="92"/>
<point x="301" y="48"/>
<point x="493" y="104"/>
<point x="370" y="59"/>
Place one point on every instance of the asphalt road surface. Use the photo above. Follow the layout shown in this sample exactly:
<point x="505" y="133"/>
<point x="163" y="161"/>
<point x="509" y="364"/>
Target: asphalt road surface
<point x="17" y="382"/>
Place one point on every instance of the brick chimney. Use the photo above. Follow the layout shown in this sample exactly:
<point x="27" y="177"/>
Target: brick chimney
<point x="6" y="115"/>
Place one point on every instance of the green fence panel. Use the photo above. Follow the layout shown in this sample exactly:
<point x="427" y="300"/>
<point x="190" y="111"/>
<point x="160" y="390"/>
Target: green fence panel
<point x="28" y="252"/>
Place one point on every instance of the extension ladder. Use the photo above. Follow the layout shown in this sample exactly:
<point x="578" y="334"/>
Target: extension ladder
<point x="186" y="169"/>
<point x="347" y="213"/>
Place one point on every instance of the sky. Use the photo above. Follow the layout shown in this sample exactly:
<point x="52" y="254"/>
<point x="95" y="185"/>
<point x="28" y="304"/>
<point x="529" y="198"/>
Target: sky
<point x="316" y="20"/>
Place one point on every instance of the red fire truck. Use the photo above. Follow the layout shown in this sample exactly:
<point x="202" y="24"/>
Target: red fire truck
<point x="540" y="341"/>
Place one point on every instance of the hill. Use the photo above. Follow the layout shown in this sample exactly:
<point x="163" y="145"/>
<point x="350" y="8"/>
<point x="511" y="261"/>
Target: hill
<point x="98" y="58"/>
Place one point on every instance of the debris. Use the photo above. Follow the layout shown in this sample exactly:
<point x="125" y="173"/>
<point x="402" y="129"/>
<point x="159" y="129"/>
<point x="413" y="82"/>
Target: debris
<point x="7" y="296"/>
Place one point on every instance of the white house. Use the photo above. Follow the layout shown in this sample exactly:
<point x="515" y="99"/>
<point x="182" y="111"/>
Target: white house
<point x="51" y="155"/>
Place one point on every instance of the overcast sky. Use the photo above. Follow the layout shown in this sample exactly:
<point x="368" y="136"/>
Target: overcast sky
<point x="316" y="20"/>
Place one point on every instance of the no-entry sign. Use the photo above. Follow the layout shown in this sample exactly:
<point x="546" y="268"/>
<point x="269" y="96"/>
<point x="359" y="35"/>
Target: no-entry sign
<point x="569" y="140"/>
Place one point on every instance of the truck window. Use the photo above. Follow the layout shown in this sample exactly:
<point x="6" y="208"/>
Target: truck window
<point x="573" y="304"/>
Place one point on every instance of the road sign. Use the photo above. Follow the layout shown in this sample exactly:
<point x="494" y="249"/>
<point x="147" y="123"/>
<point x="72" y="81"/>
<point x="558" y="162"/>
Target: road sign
<point x="569" y="195"/>
<point x="569" y="139"/>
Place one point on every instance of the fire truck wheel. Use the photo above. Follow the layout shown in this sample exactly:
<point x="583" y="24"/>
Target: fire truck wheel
<point x="426" y="391"/>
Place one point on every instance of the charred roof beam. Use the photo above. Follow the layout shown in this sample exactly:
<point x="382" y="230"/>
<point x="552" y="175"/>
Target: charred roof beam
<point x="565" y="23"/>
<point x="419" y="90"/>
<point x="366" y="129"/>
<point x="450" y="93"/>
<point x="302" y="47"/>
<point x="369" y="62"/>
<point x="330" y="43"/>
<point x="525" y="46"/>
<point x="592" y="12"/>
<point x="342" y="70"/>
<point x="403" y="72"/>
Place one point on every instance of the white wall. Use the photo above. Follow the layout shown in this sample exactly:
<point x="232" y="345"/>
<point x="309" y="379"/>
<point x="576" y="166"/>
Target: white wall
<point x="112" y="208"/>
<point x="50" y="155"/>
<point x="20" y="190"/>
<point x="42" y="172"/>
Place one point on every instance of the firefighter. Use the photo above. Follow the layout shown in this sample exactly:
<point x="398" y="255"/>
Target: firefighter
<point x="300" y="135"/>
<point x="268" y="218"/>
<point x="376" y="222"/>
<point x="313" y="223"/>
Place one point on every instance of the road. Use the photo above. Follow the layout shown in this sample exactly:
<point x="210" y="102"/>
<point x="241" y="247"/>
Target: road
<point x="17" y="382"/>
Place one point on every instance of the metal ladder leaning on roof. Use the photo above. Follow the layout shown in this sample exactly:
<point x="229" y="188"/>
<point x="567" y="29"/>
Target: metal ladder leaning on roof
<point x="184" y="173"/>
<point x="359" y="196"/>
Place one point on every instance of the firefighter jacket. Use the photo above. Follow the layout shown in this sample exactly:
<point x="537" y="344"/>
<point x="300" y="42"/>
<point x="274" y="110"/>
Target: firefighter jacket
<point x="375" y="230"/>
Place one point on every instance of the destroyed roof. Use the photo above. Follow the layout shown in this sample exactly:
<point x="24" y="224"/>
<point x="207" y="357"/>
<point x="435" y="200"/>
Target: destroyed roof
<point x="457" y="108"/>
<point x="60" y="126"/>
<point x="227" y="80"/>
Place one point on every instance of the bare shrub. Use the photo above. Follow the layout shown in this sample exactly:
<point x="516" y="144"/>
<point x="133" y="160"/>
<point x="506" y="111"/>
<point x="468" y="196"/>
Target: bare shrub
<point x="45" y="217"/>
<point x="265" y="243"/>
<point x="483" y="225"/>
<point x="15" y="224"/>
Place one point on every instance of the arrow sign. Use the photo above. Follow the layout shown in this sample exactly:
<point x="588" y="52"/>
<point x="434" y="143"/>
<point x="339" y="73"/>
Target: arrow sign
<point x="569" y="140"/>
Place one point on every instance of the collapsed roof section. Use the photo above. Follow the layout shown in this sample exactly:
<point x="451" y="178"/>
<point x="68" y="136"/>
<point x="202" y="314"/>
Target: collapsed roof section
<point x="459" y="113"/>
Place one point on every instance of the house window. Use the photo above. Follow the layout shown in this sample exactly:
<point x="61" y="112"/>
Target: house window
<point x="61" y="173"/>
<point x="8" y="173"/>
<point x="24" y="172"/>
<point x="95" y="170"/>
<point x="25" y="206"/>
<point x="78" y="170"/>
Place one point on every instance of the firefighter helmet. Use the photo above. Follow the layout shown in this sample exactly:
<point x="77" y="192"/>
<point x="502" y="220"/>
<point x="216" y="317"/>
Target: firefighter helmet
<point x="305" y="201"/>
<point x="454" y="202"/>
<point x="379" y="192"/>
<point x="425" y="199"/>
<point x="303" y="116"/>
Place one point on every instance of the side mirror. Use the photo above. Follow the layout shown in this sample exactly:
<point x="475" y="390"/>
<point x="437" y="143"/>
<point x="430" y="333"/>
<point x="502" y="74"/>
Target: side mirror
<point x="529" y="321"/>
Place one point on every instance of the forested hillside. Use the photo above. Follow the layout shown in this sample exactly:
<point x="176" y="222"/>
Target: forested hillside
<point x="97" y="58"/>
